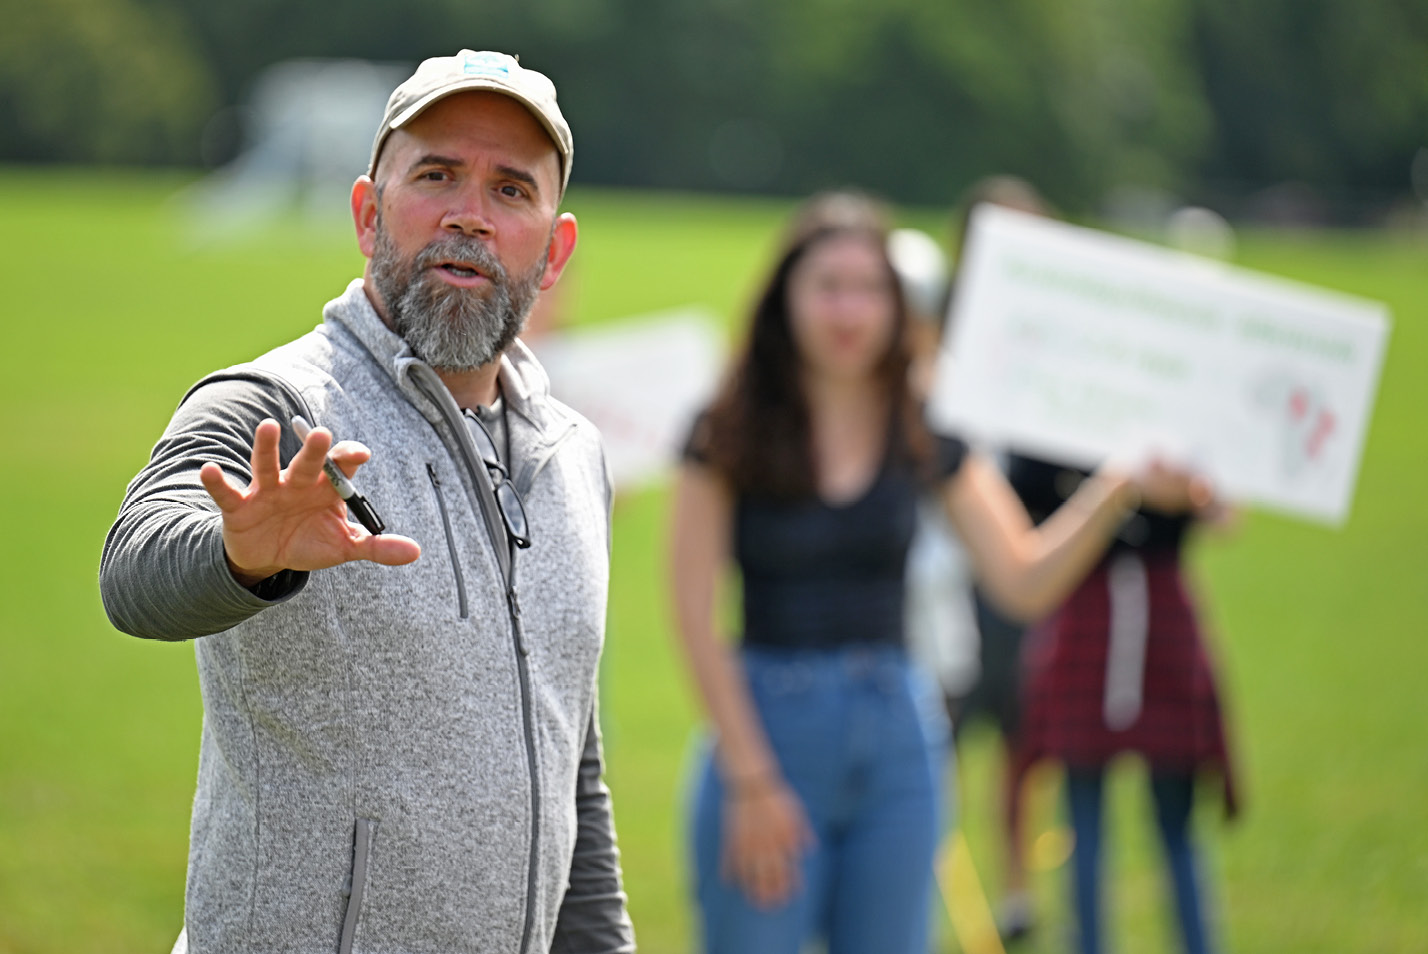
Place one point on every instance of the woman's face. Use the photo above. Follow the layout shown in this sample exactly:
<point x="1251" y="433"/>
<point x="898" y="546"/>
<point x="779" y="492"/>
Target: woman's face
<point x="842" y="308"/>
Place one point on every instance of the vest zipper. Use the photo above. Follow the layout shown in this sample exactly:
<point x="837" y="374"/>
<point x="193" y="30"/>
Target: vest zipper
<point x="476" y="470"/>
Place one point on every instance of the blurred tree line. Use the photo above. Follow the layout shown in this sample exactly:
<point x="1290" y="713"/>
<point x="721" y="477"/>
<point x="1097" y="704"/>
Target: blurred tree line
<point x="910" y="98"/>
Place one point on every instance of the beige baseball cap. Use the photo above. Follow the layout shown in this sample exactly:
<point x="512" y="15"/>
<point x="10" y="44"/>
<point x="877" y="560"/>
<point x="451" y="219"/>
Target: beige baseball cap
<point x="441" y="76"/>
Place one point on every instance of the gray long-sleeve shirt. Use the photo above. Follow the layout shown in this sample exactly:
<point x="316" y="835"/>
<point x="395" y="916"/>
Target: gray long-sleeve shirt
<point x="393" y="758"/>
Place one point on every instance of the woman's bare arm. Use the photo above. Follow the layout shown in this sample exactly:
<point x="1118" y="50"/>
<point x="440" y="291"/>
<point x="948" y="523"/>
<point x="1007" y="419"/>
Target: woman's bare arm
<point x="1029" y="570"/>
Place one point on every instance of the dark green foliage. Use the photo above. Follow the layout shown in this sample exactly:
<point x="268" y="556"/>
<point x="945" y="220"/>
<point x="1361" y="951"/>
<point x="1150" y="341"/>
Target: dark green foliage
<point x="1209" y="99"/>
<point x="1328" y="92"/>
<point x="111" y="81"/>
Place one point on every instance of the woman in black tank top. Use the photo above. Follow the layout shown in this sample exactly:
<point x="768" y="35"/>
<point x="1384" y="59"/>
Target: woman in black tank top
<point x="816" y="809"/>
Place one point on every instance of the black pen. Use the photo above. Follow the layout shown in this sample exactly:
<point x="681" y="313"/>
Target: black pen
<point x="357" y="505"/>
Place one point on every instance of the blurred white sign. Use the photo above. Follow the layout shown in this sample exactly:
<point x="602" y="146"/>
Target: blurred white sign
<point x="1076" y="345"/>
<point x="640" y="381"/>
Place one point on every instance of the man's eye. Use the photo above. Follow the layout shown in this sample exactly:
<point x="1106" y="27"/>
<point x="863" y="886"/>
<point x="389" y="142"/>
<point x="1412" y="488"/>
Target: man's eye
<point x="513" y="192"/>
<point x="435" y="175"/>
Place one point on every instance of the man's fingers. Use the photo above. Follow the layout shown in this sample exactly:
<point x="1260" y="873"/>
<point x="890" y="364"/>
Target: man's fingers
<point x="307" y="463"/>
<point x="349" y="455"/>
<point x="264" y="459"/>
<point x="388" y="549"/>
<point x="223" y="491"/>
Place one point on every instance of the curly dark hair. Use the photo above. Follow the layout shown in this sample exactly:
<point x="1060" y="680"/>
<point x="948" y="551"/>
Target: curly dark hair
<point x="756" y="433"/>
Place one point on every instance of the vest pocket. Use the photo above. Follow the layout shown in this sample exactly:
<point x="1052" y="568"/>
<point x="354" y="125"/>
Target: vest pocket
<point x="356" y="889"/>
<point x="450" y="540"/>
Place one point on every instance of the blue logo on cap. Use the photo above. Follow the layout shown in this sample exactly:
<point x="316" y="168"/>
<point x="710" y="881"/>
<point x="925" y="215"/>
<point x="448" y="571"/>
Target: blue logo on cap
<point x="486" y="64"/>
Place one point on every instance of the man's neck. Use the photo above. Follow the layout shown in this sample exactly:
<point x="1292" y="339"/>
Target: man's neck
<point x="474" y="388"/>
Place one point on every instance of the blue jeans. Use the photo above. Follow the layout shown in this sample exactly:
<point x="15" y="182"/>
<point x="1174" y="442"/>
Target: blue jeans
<point x="862" y="739"/>
<point x="1173" y="795"/>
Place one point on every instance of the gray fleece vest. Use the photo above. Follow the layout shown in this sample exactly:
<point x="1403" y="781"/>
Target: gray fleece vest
<point x="390" y="757"/>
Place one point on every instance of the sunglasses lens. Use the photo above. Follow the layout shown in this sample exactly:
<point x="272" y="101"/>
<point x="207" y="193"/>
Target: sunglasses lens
<point x="514" y="513"/>
<point x="483" y="442"/>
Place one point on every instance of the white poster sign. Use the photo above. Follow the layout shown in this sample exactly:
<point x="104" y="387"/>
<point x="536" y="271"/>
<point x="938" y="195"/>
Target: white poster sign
<point x="1077" y="345"/>
<point x="640" y="381"/>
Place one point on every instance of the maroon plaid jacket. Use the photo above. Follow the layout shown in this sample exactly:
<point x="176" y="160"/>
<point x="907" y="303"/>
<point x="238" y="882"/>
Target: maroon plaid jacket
<point x="1179" y="724"/>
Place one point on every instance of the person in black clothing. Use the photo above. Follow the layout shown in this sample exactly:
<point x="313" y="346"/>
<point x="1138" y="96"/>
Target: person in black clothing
<point x="816" y="808"/>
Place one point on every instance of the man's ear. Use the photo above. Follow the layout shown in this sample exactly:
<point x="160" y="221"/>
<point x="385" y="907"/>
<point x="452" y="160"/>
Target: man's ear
<point x="364" y="214"/>
<point x="562" y="244"/>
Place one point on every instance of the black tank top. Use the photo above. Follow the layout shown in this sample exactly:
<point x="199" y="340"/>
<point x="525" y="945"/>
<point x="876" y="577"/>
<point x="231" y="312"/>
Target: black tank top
<point x="818" y="575"/>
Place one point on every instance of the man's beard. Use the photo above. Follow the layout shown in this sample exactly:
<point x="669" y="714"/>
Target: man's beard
<point x="450" y="328"/>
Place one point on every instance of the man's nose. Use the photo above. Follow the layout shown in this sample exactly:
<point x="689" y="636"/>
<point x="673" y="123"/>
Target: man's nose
<point x="469" y="214"/>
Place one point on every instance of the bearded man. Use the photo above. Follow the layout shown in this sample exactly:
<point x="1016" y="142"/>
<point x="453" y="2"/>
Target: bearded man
<point x="400" y="747"/>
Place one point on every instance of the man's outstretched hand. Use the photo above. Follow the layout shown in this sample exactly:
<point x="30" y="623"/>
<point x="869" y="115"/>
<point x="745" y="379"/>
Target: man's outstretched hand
<point x="292" y="519"/>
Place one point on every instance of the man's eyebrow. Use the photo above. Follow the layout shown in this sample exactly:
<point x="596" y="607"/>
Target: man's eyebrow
<point x="432" y="159"/>
<point x="520" y="175"/>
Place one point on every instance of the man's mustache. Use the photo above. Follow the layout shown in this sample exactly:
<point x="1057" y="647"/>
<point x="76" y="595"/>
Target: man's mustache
<point x="459" y="249"/>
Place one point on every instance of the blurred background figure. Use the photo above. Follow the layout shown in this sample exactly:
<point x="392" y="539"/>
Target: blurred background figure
<point x="941" y="619"/>
<point x="816" y="814"/>
<point x="994" y="697"/>
<point x="1123" y="667"/>
<point x="921" y="268"/>
<point x="1201" y="231"/>
<point x="816" y="809"/>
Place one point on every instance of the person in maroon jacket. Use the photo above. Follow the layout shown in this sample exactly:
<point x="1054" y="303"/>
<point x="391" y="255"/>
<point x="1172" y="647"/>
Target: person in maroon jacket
<point x="1124" y="667"/>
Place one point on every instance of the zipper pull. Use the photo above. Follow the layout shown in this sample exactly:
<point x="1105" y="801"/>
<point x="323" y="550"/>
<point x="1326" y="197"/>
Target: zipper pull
<point x="521" y="645"/>
<point x="431" y="471"/>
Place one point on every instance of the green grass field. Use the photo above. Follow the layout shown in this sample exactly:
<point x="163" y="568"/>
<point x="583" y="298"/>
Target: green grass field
<point x="113" y="307"/>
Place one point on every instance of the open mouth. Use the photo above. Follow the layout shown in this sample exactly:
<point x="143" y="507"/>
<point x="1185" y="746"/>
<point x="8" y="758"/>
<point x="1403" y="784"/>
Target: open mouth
<point x="461" y="271"/>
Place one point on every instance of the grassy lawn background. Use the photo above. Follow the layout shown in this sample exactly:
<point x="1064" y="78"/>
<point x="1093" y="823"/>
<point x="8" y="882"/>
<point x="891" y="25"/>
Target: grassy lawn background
<point x="114" y="306"/>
